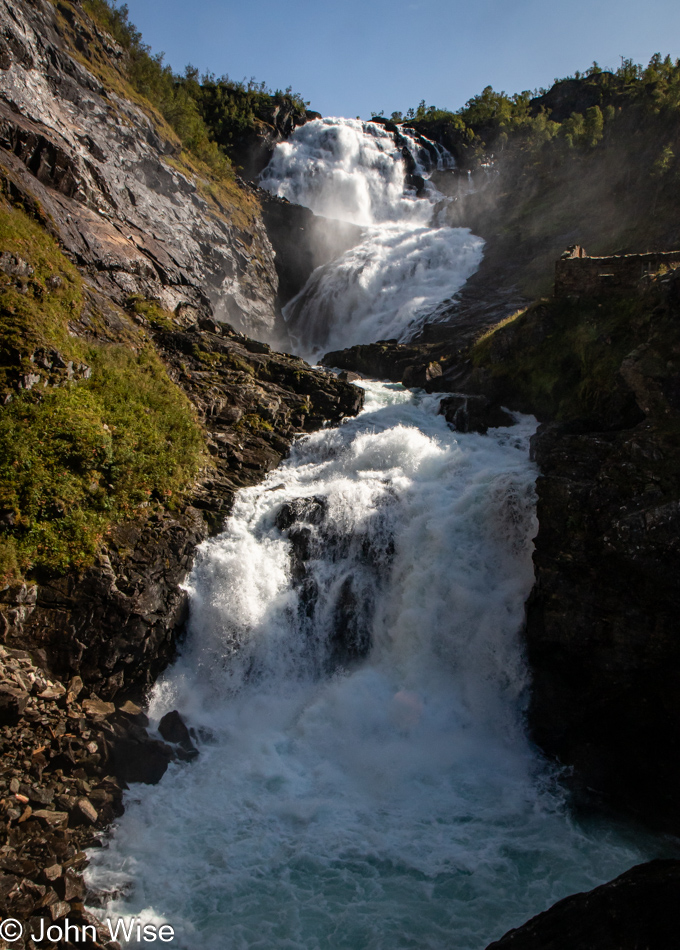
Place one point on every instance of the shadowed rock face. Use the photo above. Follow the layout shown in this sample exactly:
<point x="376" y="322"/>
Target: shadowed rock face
<point x="602" y="620"/>
<point x="302" y="241"/>
<point x="636" y="911"/>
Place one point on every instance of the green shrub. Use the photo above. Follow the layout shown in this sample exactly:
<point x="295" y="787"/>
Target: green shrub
<point x="206" y="113"/>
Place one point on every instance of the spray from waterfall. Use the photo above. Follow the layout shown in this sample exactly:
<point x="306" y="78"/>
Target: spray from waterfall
<point x="406" y="266"/>
<point x="354" y="675"/>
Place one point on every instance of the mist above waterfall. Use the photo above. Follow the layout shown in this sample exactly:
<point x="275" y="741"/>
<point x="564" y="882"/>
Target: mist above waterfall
<point x="406" y="266"/>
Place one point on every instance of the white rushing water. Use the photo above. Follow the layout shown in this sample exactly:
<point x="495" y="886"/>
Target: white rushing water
<point x="364" y="781"/>
<point x="406" y="266"/>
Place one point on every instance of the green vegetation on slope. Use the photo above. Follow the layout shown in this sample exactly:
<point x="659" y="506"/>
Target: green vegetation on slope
<point x="579" y="112"/>
<point x="78" y="451"/>
<point x="594" y="161"/>
<point x="562" y="359"/>
<point x="209" y="115"/>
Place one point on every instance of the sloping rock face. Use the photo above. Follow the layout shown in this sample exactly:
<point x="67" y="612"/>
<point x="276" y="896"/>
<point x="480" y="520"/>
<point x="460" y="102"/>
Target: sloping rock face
<point x="94" y="170"/>
<point x="636" y="911"/>
<point x="105" y="180"/>
<point x="115" y="624"/>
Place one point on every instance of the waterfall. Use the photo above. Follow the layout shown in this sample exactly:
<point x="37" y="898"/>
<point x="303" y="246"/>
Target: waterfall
<point x="406" y="266"/>
<point x="355" y="680"/>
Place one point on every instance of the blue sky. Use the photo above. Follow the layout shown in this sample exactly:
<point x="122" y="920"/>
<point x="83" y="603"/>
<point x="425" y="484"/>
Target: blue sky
<point x="350" y="58"/>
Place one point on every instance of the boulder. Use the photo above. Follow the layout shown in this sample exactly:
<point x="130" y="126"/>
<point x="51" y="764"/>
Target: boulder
<point x="173" y="729"/>
<point x="135" y="761"/>
<point x="474" y="413"/>
<point x="12" y="705"/>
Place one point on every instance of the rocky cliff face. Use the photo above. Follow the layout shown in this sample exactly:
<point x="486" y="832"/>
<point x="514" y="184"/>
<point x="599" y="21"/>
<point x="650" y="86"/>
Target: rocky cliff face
<point x="111" y="182"/>
<point x="602" y="619"/>
<point x="104" y="176"/>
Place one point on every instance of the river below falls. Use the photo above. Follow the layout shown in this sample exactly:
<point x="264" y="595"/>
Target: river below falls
<point x="356" y="683"/>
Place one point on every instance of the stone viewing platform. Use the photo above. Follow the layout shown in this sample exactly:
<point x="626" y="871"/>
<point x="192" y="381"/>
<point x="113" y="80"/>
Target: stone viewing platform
<point x="577" y="274"/>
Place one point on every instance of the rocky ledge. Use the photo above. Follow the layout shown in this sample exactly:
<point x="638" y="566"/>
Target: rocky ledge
<point x="636" y="911"/>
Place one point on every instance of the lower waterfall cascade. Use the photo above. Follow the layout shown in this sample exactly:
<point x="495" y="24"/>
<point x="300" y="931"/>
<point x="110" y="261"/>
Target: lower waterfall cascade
<point x="408" y="264"/>
<point x="354" y="676"/>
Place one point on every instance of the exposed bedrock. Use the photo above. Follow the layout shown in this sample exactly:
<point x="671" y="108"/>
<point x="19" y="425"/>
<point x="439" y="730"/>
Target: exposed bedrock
<point x="602" y="619"/>
<point x="113" y="189"/>
<point x="116" y="623"/>
<point x="636" y="911"/>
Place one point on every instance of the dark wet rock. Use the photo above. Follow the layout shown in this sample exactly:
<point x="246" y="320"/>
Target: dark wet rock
<point x="602" y="618"/>
<point x="601" y="626"/>
<point x="336" y="616"/>
<point x="636" y="911"/>
<point x="145" y="762"/>
<point x="12" y="704"/>
<point x="310" y="510"/>
<point x="419" y="375"/>
<point x="474" y="413"/>
<point x="386" y="359"/>
<point x="317" y="240"/>
<point x="173" y="729"/>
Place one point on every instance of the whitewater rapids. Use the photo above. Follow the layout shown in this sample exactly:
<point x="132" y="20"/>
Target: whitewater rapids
<point x="382" y="802"/>
<point x="406" y="267"/>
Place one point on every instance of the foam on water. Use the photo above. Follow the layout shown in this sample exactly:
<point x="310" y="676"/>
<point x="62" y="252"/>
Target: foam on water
<point x="394" y="801"/>
<point x="405" y="267"/>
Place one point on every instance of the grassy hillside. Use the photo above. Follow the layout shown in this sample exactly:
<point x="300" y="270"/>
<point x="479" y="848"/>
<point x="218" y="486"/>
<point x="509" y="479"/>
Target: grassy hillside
<point x="89" y="431"/>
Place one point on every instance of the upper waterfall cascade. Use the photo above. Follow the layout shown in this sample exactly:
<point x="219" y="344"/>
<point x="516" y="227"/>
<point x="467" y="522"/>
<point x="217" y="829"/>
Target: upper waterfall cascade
<point x="408" y="264"/>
